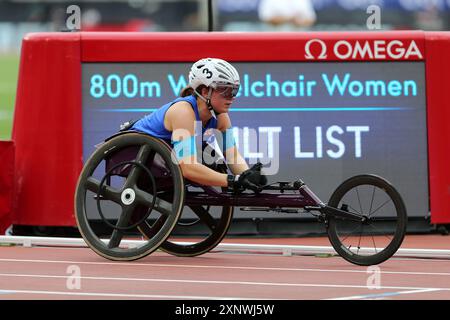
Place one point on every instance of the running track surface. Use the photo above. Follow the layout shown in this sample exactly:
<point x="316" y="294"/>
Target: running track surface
<point x="51" y="273"/>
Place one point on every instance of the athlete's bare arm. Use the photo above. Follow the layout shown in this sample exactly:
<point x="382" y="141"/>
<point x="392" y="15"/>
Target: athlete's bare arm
<point x="180" y="119"/>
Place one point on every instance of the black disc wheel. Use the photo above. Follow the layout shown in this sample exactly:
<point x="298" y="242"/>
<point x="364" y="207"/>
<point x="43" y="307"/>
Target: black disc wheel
<point x="380" y="233"/>
<point x="207" y="224"/>
<point x="129" y="183"/>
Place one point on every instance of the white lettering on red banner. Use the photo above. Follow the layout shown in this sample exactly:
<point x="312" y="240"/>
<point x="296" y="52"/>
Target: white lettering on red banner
<point x="316" y="49"/>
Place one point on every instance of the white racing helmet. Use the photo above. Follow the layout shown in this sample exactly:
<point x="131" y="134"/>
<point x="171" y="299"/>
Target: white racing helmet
<point x="213" y="72"/>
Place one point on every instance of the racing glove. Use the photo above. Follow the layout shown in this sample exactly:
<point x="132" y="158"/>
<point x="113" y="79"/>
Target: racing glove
<point x="251" y="179"/>
<point x="256" y="177"/>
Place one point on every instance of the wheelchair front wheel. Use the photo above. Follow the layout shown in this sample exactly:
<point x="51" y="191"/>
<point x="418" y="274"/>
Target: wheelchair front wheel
<point x="379" y="236"/>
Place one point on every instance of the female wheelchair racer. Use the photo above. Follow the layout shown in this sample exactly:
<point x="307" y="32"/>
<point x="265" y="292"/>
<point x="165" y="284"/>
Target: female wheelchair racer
<point x="213" y="85"/>
<point x="142" y="179"/>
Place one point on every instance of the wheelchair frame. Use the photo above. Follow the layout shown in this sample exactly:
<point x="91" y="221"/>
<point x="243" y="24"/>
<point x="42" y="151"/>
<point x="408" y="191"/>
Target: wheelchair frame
<point x="125" y="157"/>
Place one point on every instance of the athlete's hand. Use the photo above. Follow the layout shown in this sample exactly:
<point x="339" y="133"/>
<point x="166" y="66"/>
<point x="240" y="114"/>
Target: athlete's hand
<point x="251" y="179"/>
<point x="255" y="176"/>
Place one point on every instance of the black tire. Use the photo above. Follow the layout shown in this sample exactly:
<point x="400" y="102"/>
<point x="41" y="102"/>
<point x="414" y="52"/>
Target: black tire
<point x="215" y="228"/>
<point x="376" y="240"/>
<point x="144" y="150"/>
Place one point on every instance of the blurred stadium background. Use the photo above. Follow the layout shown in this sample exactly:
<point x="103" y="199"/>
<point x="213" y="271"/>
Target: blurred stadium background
<point x="19" y="17"/>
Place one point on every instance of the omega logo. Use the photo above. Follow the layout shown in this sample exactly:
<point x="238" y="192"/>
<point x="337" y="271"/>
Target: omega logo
<point x="376" y="49"/>
<point x="323" y="50"/>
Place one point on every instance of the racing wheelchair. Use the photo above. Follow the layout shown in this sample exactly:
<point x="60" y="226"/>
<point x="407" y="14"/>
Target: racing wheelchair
<point x="133" y="185"/>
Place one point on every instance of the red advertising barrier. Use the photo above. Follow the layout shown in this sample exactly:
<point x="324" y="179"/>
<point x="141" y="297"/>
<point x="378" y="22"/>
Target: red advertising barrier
<point x="6" y="184"/>
<point x="47" y="130"/>
<point x="48" y="117"/>
<point x="438" y="112"/>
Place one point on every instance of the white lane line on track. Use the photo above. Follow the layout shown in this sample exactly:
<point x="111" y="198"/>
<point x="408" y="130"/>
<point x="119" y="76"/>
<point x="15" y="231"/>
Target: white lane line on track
<point x="139" y="264"/>
<point x="245" y="283"/>
<point x="386" y="294"/>
<point x="119" y="295"/>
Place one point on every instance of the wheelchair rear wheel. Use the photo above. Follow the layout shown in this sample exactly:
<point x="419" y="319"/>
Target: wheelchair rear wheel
<point x="210" y="223"/>
<point x="129" y="183"/>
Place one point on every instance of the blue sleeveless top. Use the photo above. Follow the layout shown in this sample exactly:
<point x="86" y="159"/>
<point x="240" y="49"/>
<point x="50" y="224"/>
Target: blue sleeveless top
<point x="153" y="124"/>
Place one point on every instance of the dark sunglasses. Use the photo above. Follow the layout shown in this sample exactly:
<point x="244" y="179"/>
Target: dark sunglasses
<point x="228" y="91"/>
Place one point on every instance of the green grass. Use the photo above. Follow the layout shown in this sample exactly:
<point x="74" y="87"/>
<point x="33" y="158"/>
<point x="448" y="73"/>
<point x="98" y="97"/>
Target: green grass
<point x="9" y="68"/>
